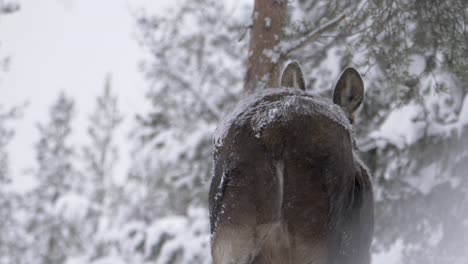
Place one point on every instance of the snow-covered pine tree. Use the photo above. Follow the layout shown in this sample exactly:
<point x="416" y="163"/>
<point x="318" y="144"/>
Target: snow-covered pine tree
<point x="12" y="233"/>
<point x="413" y="125"/>
<point x="6" y="135"/>
<point x="58" y="205"/>
<point x="196" y="72"/>
<point x="100" y="157"/>
<point x="54" y="153"/>
<point x="420" y="163"/>
<point x="101" y="154"/>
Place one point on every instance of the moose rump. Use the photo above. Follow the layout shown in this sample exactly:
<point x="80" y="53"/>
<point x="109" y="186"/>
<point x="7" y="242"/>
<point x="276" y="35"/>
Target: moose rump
<point x="284" y="181"/>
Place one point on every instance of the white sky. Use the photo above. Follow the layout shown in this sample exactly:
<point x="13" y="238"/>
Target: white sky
<point x="70" y="46"/>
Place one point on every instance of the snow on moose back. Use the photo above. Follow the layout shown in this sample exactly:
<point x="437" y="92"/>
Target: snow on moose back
<point x="287" y="186"/>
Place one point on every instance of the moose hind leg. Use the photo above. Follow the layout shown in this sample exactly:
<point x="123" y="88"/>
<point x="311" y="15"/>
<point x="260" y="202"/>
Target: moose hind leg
<point x="234" y="245"/>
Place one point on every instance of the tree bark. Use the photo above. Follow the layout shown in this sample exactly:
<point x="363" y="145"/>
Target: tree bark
<point x="263" y="64"/>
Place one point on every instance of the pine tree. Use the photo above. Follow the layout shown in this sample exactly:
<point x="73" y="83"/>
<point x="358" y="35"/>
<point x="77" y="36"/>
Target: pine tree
<point x="55" y="170"/>
<point x="101" y="156"/>
<point x="197" y="70"/>
<point x="102" y="153"/>
<point x="6" y="135"/>
<point x="57" y="203"/>
<point x="413" y="126"/>
<point x="12" y="233"/>
<point x="196" y="74"/>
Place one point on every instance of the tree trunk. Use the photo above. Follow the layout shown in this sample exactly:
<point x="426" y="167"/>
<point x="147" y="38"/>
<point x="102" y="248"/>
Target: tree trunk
<point x="263" y="65"/>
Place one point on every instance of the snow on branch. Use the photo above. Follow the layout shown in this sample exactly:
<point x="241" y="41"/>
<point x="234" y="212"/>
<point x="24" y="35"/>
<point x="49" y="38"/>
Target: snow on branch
<point x="287" y="47"/>
<point x="212" y="109"/>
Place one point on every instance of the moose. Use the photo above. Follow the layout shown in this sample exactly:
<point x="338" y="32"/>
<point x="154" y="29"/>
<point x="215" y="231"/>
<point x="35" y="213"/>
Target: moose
<point x="287" y="186"/>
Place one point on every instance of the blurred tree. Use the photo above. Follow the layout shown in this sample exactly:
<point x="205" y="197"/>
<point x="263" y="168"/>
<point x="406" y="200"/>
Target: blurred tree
<point x="195" y="74"/>
<point x="12" y="233"/>
<point x="6" y="8"/>
<point x="102" y="153"/>
<point x="101" y="156"/>
<point x="6" y="135"/>
<point x="58" y="205"/>
<point x="195" y="71"/>
<point x="56" y="172"/>
<point x="412" y="55"/>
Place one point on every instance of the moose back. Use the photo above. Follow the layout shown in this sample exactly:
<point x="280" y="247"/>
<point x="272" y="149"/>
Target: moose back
<point x="287" y="187"/>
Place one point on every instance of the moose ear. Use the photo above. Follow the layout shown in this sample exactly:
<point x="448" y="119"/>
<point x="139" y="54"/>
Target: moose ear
<point x="292" y="76"/>
<point x="349" y="92"/>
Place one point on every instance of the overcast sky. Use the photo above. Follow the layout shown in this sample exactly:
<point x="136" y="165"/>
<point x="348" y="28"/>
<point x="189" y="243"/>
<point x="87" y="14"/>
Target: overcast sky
<point x="70" y="46"/>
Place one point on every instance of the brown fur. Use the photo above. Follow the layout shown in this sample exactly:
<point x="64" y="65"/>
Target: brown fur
<point x="294" y="194"/>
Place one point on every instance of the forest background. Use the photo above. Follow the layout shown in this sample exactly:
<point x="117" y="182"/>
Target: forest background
<point x="107" y="113"/>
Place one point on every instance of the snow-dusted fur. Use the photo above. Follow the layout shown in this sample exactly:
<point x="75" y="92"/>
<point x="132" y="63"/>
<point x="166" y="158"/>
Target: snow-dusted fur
<point x="287" y="187"/>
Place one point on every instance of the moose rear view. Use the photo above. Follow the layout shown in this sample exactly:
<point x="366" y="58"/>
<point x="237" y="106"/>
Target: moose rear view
<point x="287" y="185"/>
